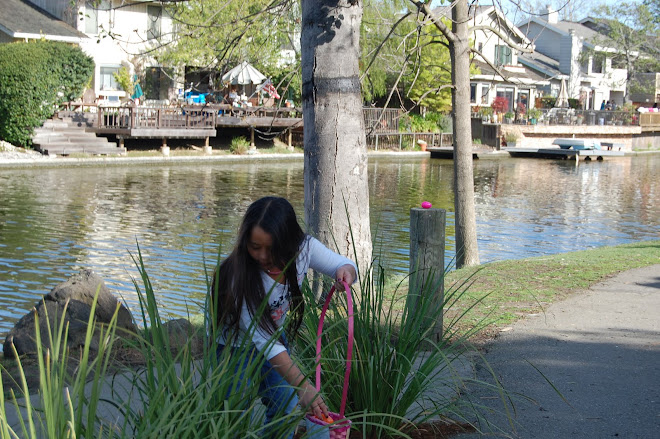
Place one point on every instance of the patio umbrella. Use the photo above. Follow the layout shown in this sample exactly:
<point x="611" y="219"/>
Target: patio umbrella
<point x="562" y="99"/>
<point x="243" y="74"/>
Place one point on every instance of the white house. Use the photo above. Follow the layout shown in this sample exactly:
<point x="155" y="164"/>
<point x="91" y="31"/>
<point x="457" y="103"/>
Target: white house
<point x="114" y="33"/>
<point x="561" y="52"/>
<point x="510" y="79"/>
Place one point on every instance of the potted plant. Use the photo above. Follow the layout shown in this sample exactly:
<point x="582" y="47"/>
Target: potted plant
<point x="500" y="104"/>
<point x="510" y="139"/>
<point x="508" y="117"/>
<point x="533" y="114"/>
<point x="486" y="113"/>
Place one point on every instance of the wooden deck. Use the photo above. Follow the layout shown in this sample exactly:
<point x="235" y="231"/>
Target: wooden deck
<point x="558" y="153"/>
<point x="146" y="122"/>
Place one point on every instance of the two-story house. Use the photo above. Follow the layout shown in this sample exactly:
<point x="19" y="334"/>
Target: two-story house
<point x="114" y="33"/>
<point x="508" y="78"/>
<point x="565" y="50"/>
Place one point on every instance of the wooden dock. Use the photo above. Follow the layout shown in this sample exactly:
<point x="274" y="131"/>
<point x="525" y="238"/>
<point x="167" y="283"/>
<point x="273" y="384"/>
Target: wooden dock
<point x="447" y="152"/>
<point x="563" y="154"/>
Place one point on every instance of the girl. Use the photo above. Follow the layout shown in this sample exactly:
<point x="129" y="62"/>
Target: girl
<point x="270" y="261"/>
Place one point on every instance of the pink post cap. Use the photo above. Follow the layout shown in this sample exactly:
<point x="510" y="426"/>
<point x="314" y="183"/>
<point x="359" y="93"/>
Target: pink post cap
<point x="426" y="205"/>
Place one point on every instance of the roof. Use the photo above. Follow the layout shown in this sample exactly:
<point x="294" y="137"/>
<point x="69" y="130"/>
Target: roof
<point x="541" y="63"/>
<point x="21" y="19"/>
<point x="526" y="75"/>
<point x="474" y="12"/>
<point x="580" y="29"/>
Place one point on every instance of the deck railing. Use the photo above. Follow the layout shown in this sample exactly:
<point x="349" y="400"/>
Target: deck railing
<point x="569" y="116"/>
<point x="156" y="118"/>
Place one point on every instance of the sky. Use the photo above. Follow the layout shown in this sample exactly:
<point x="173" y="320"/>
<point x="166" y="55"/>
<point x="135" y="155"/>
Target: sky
<point x="581" y="8"/>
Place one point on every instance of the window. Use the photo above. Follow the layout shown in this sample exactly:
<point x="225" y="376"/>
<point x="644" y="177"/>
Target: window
<point x="91" y="19"/>
<point x="598" y="63"/>
<point x="484" y="94"/>
<point x="502" y="55"/>
<point x="507" y="93"/>
<point x="473" y="92"/>
<point x="107" y="78"/>
<point x="154" y="14"/>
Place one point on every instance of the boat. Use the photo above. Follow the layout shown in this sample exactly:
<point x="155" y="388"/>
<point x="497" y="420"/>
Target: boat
<point x="578" y="144"/>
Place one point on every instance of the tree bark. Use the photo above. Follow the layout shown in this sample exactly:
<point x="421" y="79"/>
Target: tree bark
<point x="335" y="176"/>
<point x="467" y="251"/>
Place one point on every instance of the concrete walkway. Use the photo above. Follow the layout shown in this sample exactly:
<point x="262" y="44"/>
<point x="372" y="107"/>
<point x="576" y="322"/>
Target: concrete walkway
<point x="600" y="349"/>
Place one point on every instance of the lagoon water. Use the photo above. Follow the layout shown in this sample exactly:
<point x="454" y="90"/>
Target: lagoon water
<point x="54" y="222"/>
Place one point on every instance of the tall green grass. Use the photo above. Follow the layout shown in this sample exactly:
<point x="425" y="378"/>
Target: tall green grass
<point x="175" y="394"/>
<point x="403" y="373"/>
<point x="66" y="407"/>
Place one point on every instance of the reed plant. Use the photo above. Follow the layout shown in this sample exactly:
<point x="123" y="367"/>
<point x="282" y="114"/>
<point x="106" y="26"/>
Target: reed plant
<point x="66" y="405"/>
<point x="175" y="393"/>
<point x="404" y="372"/>
<point x="180" y="395"/>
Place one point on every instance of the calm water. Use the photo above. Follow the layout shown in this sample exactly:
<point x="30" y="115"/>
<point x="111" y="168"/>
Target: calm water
<point x="53" y="222"/>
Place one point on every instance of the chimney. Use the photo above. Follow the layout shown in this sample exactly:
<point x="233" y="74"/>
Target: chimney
<point x="553" y="16"/>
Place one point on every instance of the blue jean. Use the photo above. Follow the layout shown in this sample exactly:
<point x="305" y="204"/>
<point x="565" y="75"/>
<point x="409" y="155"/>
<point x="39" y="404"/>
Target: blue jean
<point x="276" y="394"/>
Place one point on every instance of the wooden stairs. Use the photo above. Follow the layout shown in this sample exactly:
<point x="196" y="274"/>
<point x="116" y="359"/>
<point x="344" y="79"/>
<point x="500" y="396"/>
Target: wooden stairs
<point x="63" y="137"/>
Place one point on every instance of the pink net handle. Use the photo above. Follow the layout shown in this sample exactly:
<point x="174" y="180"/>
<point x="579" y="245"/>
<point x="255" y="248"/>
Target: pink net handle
<point x="349" y="354"/>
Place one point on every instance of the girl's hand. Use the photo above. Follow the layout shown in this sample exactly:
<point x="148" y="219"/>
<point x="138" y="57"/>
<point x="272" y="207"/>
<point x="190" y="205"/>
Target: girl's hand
<point x="347" y="274"/>
<point x="310" y="399"/>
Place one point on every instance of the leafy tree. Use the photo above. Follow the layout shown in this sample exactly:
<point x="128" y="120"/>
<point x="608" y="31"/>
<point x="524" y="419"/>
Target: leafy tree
<point x="632" y="29"/>
<point x="430" y="76"/>
<point x="383" y="40"/>
<point x="217" y="35"/>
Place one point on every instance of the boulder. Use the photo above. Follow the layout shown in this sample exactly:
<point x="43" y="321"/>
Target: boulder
<point x="73" y="297"/>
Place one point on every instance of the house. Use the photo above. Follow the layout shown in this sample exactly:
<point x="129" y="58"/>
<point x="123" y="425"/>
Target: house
<point x="501" y="73"/>
<point x="114" y="33"/>
<point x="565" y="50"/>
<point x="517" y="84"/>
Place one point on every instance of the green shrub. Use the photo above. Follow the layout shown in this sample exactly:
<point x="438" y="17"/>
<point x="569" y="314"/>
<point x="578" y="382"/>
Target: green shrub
<point x="34" y="78"/>
<point x="432" y="123"/>
<point x="124" y="79"/>
<point x="548" y="101"/>
<point x="239" y="145"/>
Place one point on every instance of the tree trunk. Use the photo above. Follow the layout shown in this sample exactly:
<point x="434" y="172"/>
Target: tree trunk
<point x="336" y="184"/>
<point x="467" y="251"/>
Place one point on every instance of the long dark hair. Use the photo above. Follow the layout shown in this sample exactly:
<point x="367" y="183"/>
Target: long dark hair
<point x="237" y="280"/>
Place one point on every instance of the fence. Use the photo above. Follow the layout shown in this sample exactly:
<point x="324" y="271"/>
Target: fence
<point x="381" y="120"/>
<point x="569" y="116"/>
<point x="399" y="141"/>
<point x="156" y="118"/>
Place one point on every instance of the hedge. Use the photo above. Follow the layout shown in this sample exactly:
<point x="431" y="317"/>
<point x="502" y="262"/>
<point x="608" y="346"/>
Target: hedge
<point x="35" y="77"/>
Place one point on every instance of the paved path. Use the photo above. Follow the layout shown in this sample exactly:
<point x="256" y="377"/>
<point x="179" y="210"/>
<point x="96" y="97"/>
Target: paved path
<point x="599" y="348"/>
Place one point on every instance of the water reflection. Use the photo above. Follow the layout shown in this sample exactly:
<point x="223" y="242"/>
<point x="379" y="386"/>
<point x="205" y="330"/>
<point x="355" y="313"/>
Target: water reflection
<point x="53" y="222"/>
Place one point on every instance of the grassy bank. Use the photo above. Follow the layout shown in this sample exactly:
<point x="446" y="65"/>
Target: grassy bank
<point x="512" y="289"/>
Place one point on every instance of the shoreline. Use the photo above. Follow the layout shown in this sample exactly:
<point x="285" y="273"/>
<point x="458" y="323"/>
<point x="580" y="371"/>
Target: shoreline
<point x="32" y="159"/>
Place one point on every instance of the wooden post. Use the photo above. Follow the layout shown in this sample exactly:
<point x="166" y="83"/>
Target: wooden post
<point x="207" y="146"/>
<point x="290" y="135"/>
<point x="252" y="145"/>
<point x="164" y="149"/>
<point x="427" y="262"/>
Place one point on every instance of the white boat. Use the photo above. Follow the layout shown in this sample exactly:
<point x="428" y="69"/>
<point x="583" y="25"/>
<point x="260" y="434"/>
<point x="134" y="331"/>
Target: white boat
<point x="567" y="143"/>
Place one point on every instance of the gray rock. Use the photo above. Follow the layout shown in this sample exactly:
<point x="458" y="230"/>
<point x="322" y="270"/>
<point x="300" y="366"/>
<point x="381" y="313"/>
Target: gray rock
<point x="73" y="298"/>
